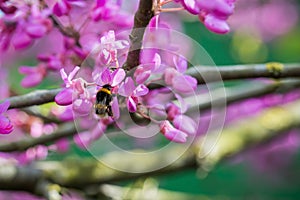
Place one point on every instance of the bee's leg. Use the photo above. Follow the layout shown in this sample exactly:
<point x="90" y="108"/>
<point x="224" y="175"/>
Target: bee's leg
<point x="109" y="111"/>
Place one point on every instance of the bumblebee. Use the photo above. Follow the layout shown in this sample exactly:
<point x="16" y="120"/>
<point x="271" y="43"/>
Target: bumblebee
<point x="103" y="101"/>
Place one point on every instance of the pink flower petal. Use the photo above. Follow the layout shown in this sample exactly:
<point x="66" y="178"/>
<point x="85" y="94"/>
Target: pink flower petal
<point x="5" y="125"/>
<point x="216" y="24"/>
<point x="131" y="104"/>
<point x="220" y="7"/>
<point x="127" y="87"/>
<point x="157" y="61"/>
<point x="64" y="76"/>
<point x="140" y="90"/>
<point x="64" y="97"/>
<point x="106" y="77"/>
<point x="74" y="72"/>
<point x="171" y="133"/>
<point x="62" y="145"/>
<point x="36" y="30"/>
<point x="141" y="76"/>
<point x="21" y="40"/>
<point x="61" y="7"/>
<point x="115" y="108"/>
<point x="182" y="104"/>
<point x="32" y="80"/>
<point x="82" y="106"/>
<point x="180" y="63"/>
<point x="26" y="70"/>
<point x="185" y="124"/>
<point x="169" y="75"/>
<point x="173" y="110"/>
<point x="176" y="136"/>
<point x="121" y="44"/>
<point x="117" y="77"/>
<point x="100" y="3"/>
<point x="82" y="140"/>
<point x="97" y="14"/>
<point x="184" y="83"/>
<point x="190" y="5"/>
<point x="105" y="57"/>
<point x="4" y="106"/>
<point x="98" y="131"/>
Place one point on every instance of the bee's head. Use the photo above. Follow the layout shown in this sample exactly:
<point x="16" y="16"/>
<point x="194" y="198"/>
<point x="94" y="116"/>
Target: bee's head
<point x="107" y="86"/>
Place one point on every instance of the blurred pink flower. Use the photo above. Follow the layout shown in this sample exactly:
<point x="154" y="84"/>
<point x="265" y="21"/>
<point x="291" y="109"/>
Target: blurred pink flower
<point x="172" y="133"/>
<point x="33" y="75"/>
<point x="263" y="17"/>
<point x="213" y="13"/>
<point x="5" y="124"/>
<point x="61" y="7"/>
<point x="104" y="10"/>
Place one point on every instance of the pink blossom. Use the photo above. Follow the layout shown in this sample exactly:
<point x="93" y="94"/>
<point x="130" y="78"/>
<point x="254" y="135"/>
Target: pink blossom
<point x="180" y="120"/>
<point x="72" y="85"/>
<point x="128" y="89"/>
<point x="111" y="78"/>
<point x="61" y="7"/>
<point x="104" y="10"/>
<point x="175" y="77"/>
<point x="62" y="145"/>
<point x="109" y="46"/>
<point x="7" y="8"/>
<point x="143" y="72"/>
<point x="33" y="75"/>
<point x="190" y="6"/>
<point x="172" y="133"/>
<point x="214" y="13"/>
<point x="21" y="40"/>
<point x="38" y="23"/>
<point x="5" y="124"/>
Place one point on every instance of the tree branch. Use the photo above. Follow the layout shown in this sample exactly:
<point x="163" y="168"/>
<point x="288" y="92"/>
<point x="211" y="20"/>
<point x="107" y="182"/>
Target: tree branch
<point x="210" y="74"/>
<point x="141" y="19"/>
<point x="64" y="130"/>
<point x="206" y="74"/>
<point x="27" y="179"/>
<point x="33" y="98"/>
<point x="224" y="96"/>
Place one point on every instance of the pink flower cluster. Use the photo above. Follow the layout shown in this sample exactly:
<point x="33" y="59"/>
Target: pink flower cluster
<point x="213" y="13"/>
<point x="22" y="24"/>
